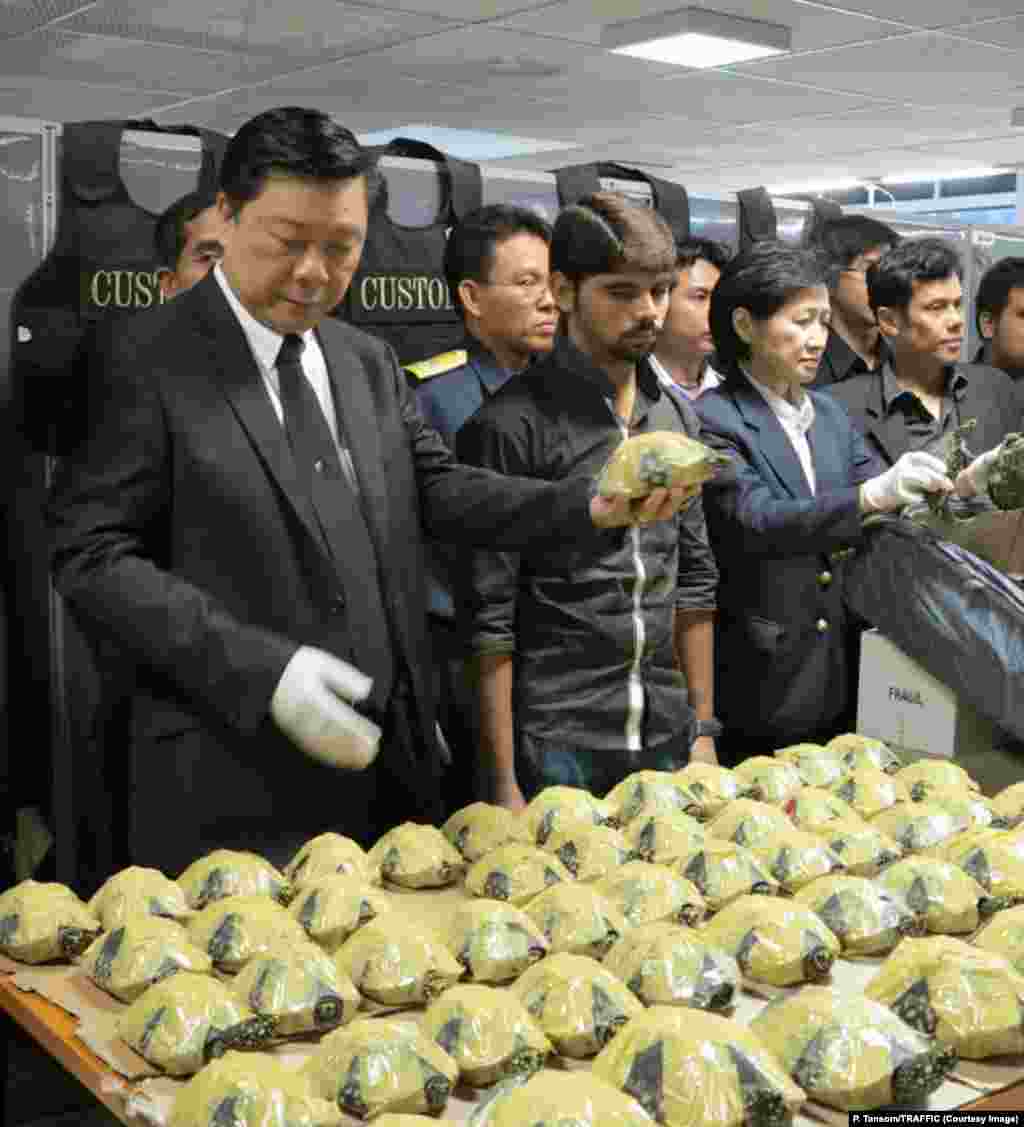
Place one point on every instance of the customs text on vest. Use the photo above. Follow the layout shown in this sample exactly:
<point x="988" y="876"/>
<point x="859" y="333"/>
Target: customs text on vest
<point x="102" y="265"/>
<point x="670" y="200"/>
<point x="399" y="292"/>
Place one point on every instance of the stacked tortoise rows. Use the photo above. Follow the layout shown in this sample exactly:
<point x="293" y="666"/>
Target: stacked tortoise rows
<point x="615" y="931"/>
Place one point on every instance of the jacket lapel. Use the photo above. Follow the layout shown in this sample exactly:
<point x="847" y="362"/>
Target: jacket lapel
<point x="773" y="442"/>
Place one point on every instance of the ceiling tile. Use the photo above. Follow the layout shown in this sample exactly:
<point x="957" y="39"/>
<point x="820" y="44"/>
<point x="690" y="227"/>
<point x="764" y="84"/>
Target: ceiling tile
<point x="19" y="17"/>
<point x="55" y="100"/>
<point x="1001" y="33"/>
<point x="935" y="13"/>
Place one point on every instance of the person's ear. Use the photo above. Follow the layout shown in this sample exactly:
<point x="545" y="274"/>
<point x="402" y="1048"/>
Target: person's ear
<point x="743" y="324"/>
<point x="890" y="321"/>
<point x="227" y="211"/>
<point x="563" y="290"/>
<point x="987" y="325"/>
<point x="168" y="283"/>
<point x="469" y="295"/>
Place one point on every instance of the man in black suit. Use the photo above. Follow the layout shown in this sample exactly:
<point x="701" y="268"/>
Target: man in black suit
<point x="244" y="519"/>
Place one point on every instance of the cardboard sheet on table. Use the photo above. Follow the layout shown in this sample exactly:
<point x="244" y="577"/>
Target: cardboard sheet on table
<point x="992" y="1074"/>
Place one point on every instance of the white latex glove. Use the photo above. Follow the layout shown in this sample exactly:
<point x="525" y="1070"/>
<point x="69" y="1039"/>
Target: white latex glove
<point x="974" y="478"/>
<point x="310" y="705"/>
<point x="915" y="474"/>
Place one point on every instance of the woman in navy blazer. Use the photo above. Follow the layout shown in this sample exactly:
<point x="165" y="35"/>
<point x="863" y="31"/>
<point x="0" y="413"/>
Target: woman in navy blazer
<point x="782" y="519"/>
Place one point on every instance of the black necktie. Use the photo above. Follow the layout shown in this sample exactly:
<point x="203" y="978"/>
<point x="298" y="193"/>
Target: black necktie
<point x="341" y="520"/>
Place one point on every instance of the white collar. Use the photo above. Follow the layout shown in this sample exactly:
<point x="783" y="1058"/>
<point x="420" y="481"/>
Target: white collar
<point x="264" y="342"/>
<point x="665" y="379"/>
<point x="795" y="417"/>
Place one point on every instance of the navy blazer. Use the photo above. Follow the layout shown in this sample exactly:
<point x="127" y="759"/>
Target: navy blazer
<point x="446" y="401"/>
<point x="782" y="634"/>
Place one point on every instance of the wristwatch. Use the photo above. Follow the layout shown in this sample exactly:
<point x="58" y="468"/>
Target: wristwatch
<point x="712" y="728"/>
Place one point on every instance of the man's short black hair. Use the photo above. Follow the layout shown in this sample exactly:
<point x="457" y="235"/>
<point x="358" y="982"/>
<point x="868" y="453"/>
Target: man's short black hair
<point x="169" y="237"/>
<point x="891" y="279"/>
<point x="294" y="141"/>
<point x="760" y="279"/>
<point x="691" y="250"/>
<point x="994" y="289"/>
<point x="469" y="252"/>
<point x="604" y="232"/>
<point x="841" y="241"/>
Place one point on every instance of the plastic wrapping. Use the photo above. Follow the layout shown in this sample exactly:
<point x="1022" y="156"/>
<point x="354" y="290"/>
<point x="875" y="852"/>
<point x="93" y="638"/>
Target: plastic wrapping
<point x="255" y="1090"/>
<point x="183" y="1023"/>
<point x="397" y="963"/>
<point x="868" y="919"/>
<point x="817" y="765"/>
<point x="234" y="930"/>
<point x="646" y="893"/>
<point x="960" y="618"/>
<point x="480" y="828"/>
<point x="967" y="804"/>
<point x="374" y="1066"/>
<point x="943" y="896"/>
<point x="849" y="1052"/>
<point x="858" y="751"/>
<point x="515" y="874"/>
<point x="919" y="826"/>
<point x="1009" y="802"/>
<point x="814" y="807"/>
<point x="863" y="848"/>
<point x="44" y="921"/>
<point x="577" y="1002"/>
<point x="712" y="786"/>
<point x="417" y="856"/>
<point x="576" y="919"/>
<point x="997" y="867"/>
<point x="331" y="908"/>
<point x="773" y="940"/>
<point x="967" y="999"/>
<point x="748" y="822"/>
<point x="551" y="1099"/>
<point x="1004" y="935"/>
<point x="327" y="854"/>
<point x="487" y="1032"/>
<point x="664" y="838"/>
<point x="660" y="459"/>
<point x="921" y="777"/>
<point x="589" y="852"/>
<point x="652" y="792"/>
<point x="687" y="1066"/>
<point x="132" y="956"/>
<point x="229" y="872"/>
<point x="495" y="942"/>
<point x="300" y="987"/>
<point x="136" y="891"/>
<point x="776" y="779"/>
<point x="796" y="858"/>
<point x="722" y="870"/>
<point x="397" y="1119"/>
<point x="545" y="809"/>
<point x="666" y="965"/>
<point x="869" y="791"/>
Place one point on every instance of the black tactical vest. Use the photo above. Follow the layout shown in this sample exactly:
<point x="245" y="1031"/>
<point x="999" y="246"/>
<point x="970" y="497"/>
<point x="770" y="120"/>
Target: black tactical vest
<point x="102" y="265"/>
<point x="670" y="200"/>
<point x="756" y="221"/>
<point x="399" y="292"/>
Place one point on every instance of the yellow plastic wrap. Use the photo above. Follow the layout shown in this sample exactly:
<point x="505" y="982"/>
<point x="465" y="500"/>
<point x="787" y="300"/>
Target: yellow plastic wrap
<point x="545" y="810"/>
<point x="132" y="956"/>
<point x="577" y="919"/>
<point x="300" y="987"/>
<point x="997" y="867"/>
<point x="968" y="999"/>
<point x="850" y="1052"/>
<point x="959" y="844"/>
<point x="858" y="751"/>
<point x="666" y="965"/>
<point x="228" y="872"/>
<point x="558" y="1099"/>
<point x="495" y="942"/>
<point x="331" y="908"/>
<point x="1009" y="802"/>
<point x="863" y="848"/>
<point x="944" y="896"/>
<point x="254" y="1090"/>
<point x="749" y="823"/>
<point x="773" y="940"/>
<point x="867" y="919"/>
<point x="712" y="786"/>
<point x="479" y="828"/>
<point x="869" y="791"/>
<point x="919" y="826"/>
<point x="655" y="460"/>
<point x="417" y="856"/>
<point x="722" y="870"/>
<point x="138" y="892"/>
<point x="589" y="852"/>
<point x="374" y="1066"/>
<point x="487" y="1032"/>
<point x="238" y="928"/>
<point x="188" y="1020"/>
<point x="42" y="921"/>
<point x="397" y="1119"/>
<point x="814" y="806"/>
<point x="578" y="1004"/>
<point x="775" y="778"/>
<point x="796" y="858"/>
<point x="1004" y="935"/>
<point x="398" y="963"/>
<point x="817" y="765"/>
<point x="968" y="804"/>
<point x="652" y="792"/>
<point x="646" y="893"/>
<point x="515" y="874"/>
<point x="687" y="1067"/>
<point x="920" y="776"/>
<point x="327" y="854"/>
<point x="663" y="838"/>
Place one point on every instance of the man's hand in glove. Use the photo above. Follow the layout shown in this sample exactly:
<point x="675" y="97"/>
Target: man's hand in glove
<point x="974" y="478"/>
<point x="311" y="706"/>
<point x="910" y="479"/>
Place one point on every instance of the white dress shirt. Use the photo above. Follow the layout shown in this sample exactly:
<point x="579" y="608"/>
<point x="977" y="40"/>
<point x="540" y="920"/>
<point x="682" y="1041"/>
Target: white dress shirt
<point x="796" y="421"/>
<point x="709" y="378"/>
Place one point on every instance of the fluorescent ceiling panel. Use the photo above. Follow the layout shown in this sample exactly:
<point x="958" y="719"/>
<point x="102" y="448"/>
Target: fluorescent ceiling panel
<point x="951" y="174"/>
<point x="696" y="38"/>
<point x="469" y="144"/>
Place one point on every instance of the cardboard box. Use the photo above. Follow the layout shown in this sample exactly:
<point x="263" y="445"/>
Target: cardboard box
<point x="916" y="715"/>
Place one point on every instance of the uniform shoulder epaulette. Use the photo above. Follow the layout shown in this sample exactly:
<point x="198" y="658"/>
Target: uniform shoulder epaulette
<point x="438" y="365"/>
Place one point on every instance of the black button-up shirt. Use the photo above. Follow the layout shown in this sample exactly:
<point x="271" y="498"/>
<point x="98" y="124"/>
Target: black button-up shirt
<point x="923" y="430"/>
<point x="839" y="362"/>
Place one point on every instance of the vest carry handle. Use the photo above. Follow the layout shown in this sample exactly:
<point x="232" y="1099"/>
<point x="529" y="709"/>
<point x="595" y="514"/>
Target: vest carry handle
<point x="756" y="219"/>
<point x="466" y="185"/>
<point x="670" y="200"/>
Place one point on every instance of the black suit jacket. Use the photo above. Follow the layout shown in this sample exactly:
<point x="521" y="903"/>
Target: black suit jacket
<point x="181" y="533"/>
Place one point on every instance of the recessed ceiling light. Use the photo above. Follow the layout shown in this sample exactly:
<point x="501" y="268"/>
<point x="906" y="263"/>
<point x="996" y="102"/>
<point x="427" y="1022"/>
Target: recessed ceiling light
<point x="952" y="174"/>
<point x="696" y="38"/>
<point x="469" y="144"/>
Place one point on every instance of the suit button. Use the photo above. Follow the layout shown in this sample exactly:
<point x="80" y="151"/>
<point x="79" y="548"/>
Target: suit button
<point x="318" y="465"/>
<point x="824" y="578"/>
<point x="337" y="605"/>
<point x="821" y="626"/>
